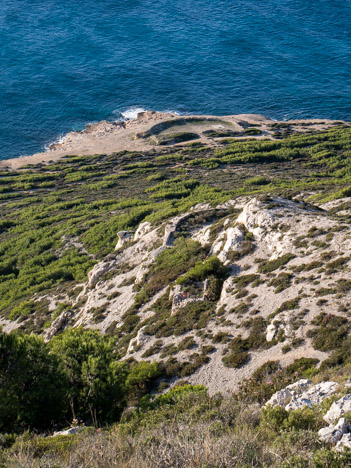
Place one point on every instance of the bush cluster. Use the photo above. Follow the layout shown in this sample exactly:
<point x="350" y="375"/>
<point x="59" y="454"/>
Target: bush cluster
<point x="75" y="376"/>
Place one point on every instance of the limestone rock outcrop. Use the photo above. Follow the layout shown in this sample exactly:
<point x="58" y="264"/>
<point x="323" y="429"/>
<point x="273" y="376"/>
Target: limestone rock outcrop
<point x="123" y="238"/>
<point x="338" y="408"/>
<point x="301" y="394"/>
<point x="332" y="434"/>
<point x="58" y="325"/>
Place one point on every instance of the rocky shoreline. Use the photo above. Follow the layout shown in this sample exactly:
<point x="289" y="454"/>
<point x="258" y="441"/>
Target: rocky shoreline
<point x="154" y="129"/>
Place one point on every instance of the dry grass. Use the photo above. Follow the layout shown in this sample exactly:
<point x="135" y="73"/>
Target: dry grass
<point x="197" y="432"/>
<point x="168" y="446"/>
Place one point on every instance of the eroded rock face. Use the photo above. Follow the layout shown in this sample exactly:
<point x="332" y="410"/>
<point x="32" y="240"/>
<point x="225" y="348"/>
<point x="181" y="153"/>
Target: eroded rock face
<point x="143" y="229"/>
<point x="274" y="225"/>
<point x="58" y="325"/>
<point x="139" y="340"/>
<point x="123" y="238"/>
<point x="319" y="392"/>
<point x="70" y="431"/>
<point x="344" y="442"/>
<point x="301" y="394"/>
<point x="97" y="271"/>
<point x="283" y="397"/>
<point x="338" y="408"/>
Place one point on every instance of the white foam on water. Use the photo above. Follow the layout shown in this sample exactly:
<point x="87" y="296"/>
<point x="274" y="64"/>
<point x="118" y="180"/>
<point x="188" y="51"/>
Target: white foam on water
<point x="132" y="112"/>
<point x="58" y="141"/>
<point x="128" y="114"/>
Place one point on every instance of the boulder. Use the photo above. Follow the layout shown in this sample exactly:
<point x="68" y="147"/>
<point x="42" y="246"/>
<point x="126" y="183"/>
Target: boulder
<point x="329" y="435"/>
<point x="97" y="271"/>
<point x="300" y="386"/>
<point x="291" y="392"/>
<point x="345" y="441"/>
<point x="143" y="229"/>
<point x="123" y="238"/>
<point x="298" y="403"/>
<point x="70" y="431"/>
<point x="338" y="408"/>
<point x="281" y="398"/>
<point x="58" y="325"/>
<point x="271" y="331"/>
<point x="317" y="393"/>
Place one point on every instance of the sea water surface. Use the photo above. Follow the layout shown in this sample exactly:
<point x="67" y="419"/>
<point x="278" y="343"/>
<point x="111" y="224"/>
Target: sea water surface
<point x="66" y="63"/>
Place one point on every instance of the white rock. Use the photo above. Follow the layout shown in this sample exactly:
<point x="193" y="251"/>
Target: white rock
<point x="139" y="340"/>
<point x="317" y="393"/>
<point x="345" y="441"/>
<point x="70" y="431"/>
<point x="58" y="325"/>
<point x="181" y="299"/>
<point x="333" y="433"/>
<point x="140" y="274"/>
<point x="171" y="227"/>
<point x="280" y="398"/>
<point x="283" y="397"/>
<point x="300" y="386"/>
<point x="303" y="394"/>
<point x="123" y="238"/>
<point x="203" y="236"/>
<point x="256" y="218"/>
<point x="234" y="238"/>
<point x="227" y="204"/>
<point x="271" y="331"/>
<point x="338" y="408"/>
<point x="201" y="207"/>
<point x="217" y="246"/>
<point x="143" y="229"/>
<point x="98" y="270"/>
<point x="298" y="403"/>
<point x="329" y="434"/>
<point x="342" y="425"/>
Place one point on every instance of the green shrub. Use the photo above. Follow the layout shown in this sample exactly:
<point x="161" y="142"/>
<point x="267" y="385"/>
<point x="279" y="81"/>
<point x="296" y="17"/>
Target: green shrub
<point x="272" y="265"/>
<point x="277" y="418"/>
<point x="236" y="360"/>
<point x="31" y="380"/>
<point x="96" y="380"/>
<point x="173" y="262"/>
<point x="202" y="270"/>
<point x="330" y="332"/>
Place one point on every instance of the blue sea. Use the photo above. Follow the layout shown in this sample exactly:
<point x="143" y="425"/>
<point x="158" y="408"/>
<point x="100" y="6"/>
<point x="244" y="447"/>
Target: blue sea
<point x="66" y="63"/>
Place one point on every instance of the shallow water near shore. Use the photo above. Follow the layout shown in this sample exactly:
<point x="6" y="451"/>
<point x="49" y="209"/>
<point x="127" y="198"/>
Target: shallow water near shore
<point x="64" y="64"/>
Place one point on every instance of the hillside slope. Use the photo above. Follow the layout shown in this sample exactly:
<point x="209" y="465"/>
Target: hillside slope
<point x="210" y="260"/>
<point x="224" y="263"/>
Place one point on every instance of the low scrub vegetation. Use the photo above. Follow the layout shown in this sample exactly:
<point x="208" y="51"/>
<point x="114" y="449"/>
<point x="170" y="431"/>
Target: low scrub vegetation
<point x="186" y="427"/>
